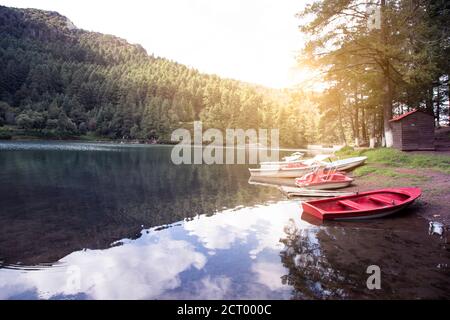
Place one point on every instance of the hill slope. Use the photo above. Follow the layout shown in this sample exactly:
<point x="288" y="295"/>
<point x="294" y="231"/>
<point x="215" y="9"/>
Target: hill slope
<point x="59" y="79"/>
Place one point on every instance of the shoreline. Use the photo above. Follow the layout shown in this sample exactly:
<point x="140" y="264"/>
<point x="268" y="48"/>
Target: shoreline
<point x="137" y="142"/>
<point x="434" y="181"/>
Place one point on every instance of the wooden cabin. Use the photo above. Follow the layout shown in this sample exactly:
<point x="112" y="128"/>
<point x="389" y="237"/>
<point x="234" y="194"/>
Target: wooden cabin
<point x="413" y="130"/>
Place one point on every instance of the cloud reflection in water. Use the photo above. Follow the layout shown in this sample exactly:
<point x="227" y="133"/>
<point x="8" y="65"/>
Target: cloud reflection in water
<point x="195" y="259"/>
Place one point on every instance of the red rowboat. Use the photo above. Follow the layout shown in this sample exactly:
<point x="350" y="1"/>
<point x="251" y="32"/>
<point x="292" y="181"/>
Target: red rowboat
<point x="323" y="181"/>
<point x="364" y="205"/>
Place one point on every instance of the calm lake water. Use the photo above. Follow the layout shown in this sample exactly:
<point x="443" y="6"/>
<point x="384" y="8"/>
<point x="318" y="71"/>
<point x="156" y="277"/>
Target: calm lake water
<point x="107" y="221"/>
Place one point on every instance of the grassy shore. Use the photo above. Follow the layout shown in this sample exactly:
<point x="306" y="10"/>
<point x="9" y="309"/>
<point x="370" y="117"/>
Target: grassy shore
<point x="378" y="159"/>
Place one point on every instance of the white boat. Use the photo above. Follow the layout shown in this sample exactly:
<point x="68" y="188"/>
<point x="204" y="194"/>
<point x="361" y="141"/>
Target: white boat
<point x="271" y="181"/>
<point x="296" y="157"/>
<point x="345" y="164"/>
<point x="290" y="169"/>
<point x="298" y="169"/>
<point x="301" y="192"/>
<point x="293" y="157"/>
<point x="317" y="158"/>
<point x="278" y="164"/>
<point x="283" y="171"/>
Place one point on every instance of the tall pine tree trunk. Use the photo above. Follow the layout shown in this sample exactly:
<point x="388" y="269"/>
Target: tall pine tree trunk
<point x="380" y="117"/>
<point x="363" y="124"/>
<point x="341" y="127"/>
<point x="438" y="106"/>
<point x="356" y="132"/>
<point x="373" y="131"/>
<point x="429" y="100"/>
<point x="356" y="125"/>
<point x="387" y="90"/>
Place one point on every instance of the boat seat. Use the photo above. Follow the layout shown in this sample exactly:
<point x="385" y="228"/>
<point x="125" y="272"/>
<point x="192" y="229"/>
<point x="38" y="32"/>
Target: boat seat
<point x="350" y="204"/>
<point x="381" y="199"/>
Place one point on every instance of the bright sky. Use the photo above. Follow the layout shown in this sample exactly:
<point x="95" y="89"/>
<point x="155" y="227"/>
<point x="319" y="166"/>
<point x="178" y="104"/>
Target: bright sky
<point x="249" y="40"/>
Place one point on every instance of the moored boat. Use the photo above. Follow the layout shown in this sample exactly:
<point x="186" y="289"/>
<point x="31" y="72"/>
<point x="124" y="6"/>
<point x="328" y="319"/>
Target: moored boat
<point x="288" y="171"/>
<point x="275" y="165"/>
<point x="293" y="160"/>
<point x="346" y="164"/>
<point x="293" y="157"/>
<point x="365" y="205"/>
<point x="271" y="181"/>
<point x="291" y="169"/>
<point x="320" y="180"/>
<point x="301" y="167"/>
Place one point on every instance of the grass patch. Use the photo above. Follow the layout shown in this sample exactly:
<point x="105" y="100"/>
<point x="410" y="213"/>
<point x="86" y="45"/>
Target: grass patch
<point x="374" y="172"/>
<point x="347" y="150"/>
<point x="364" y="171"/>
<point x="396" y="158"/>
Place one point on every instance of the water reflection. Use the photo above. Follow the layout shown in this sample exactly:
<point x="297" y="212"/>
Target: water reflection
<point x="123" y="222"/>
<point x="52" y="146"/>
<point x="177" y="262"/>
<point x="331" y="261"/>
<point x="54" y="202"/>
<point x="268" y="253"/>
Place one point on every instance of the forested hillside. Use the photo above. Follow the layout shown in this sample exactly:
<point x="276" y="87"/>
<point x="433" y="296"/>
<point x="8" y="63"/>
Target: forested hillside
<point x="60" y="80"/>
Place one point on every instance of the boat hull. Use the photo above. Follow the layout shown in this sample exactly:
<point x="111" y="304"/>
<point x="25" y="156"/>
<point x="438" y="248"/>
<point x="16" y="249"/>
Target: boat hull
<point x="278" y="165"/>
<point x="323" y="181"/>
<point x="328" y="185"/>
<point x="286" y="160"/>
<point x="270" y="181"/>
<point x="281" y="173"/>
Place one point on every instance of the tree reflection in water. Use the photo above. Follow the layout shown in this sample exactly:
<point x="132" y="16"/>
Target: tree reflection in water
<point x="68" y="197"/>
<point x="330" y="262"/>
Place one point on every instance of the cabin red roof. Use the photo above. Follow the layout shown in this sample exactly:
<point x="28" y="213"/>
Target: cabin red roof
<point x="396" y="118"/>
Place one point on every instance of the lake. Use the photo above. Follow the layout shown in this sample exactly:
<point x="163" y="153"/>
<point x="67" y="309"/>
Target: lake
<point x="108" y="221"/>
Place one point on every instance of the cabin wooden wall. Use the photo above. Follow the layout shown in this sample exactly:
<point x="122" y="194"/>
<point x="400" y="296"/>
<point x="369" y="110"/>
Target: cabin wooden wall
<point x="417" y="132"/>
<point x="397" y="134"/>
